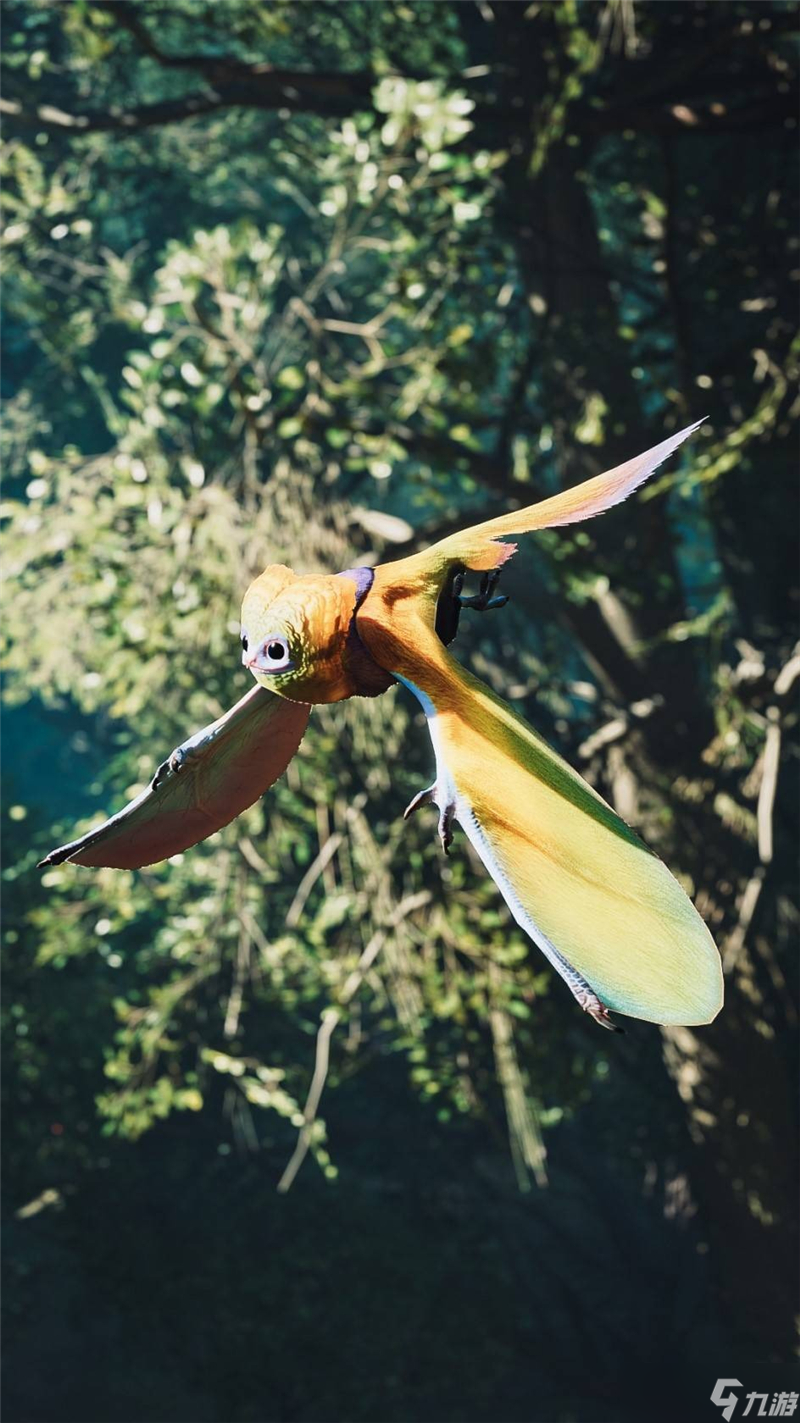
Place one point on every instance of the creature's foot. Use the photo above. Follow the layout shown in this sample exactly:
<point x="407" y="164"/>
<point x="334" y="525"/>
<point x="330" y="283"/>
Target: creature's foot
<point x="485" y="599"/>
<point x="452" y="600"/>
<point x="426" y="797"/>
<point x="446" y="813"/>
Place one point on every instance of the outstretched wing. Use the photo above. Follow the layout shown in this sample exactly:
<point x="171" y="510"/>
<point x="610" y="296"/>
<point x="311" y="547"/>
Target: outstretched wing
<point x="481" y="547"/>
<point x="604" y="910"/>
<point x="205" y="783"/>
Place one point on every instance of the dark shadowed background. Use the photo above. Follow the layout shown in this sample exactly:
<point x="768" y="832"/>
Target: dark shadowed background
<point x="308" y="283"/>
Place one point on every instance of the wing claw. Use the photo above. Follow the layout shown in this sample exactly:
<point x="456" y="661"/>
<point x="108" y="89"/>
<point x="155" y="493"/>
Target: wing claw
<point x="583" y="993"/>
<point x="602" y="1016"/>
<point x="175" y="762"/>
<point x="160" y="774"/>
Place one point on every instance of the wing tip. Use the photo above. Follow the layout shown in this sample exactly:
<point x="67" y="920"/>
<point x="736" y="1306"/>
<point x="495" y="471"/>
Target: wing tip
<point x="681" y="435"/>
<point x="73" y="848"/>
<point x="703" y="1013"/>
<point x="56" y="857"/>
<point x="710" y="1016"/>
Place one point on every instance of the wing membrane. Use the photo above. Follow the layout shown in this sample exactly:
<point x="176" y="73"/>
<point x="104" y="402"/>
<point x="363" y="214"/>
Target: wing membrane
<point x="479" y="548"/>
<point x="205" y="783"/>
<point x="603" y="908"/>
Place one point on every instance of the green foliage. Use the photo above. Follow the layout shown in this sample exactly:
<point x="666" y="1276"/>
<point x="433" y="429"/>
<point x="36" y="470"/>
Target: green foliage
<point x="257" y="337"/>
<point x="213" y="374"/>
<point x="316" y="283"/>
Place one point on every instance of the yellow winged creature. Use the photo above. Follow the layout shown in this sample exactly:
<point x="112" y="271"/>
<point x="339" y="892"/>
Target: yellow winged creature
<point x="602" y="908"/>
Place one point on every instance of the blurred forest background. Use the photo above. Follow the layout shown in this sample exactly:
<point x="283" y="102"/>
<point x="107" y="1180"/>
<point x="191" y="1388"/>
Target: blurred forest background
<point x="310" y="282"/>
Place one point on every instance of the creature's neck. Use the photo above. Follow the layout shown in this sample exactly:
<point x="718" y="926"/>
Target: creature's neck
<point x="367" y="677"/>
<point x="397" y="627"/>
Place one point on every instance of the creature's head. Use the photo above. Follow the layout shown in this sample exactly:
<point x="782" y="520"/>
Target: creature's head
<point x="298" y="637"/>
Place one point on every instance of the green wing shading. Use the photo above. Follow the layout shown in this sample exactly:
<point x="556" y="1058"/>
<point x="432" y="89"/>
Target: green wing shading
<point x="602" y="907"/>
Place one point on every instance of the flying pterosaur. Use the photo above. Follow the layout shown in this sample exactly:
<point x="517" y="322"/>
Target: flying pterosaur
<point x="599" y="904"/>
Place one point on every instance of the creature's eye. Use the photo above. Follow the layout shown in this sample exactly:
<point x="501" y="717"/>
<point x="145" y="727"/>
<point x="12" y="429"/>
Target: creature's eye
<point x="244" y="642"/>
<point x="273" y="655"/>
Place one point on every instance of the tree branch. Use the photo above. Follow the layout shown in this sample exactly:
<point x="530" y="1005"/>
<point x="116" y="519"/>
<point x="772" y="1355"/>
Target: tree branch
<point x="332" y="94"/>
<point x="329" y="1020"/>
<point x="258" y="86"/>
